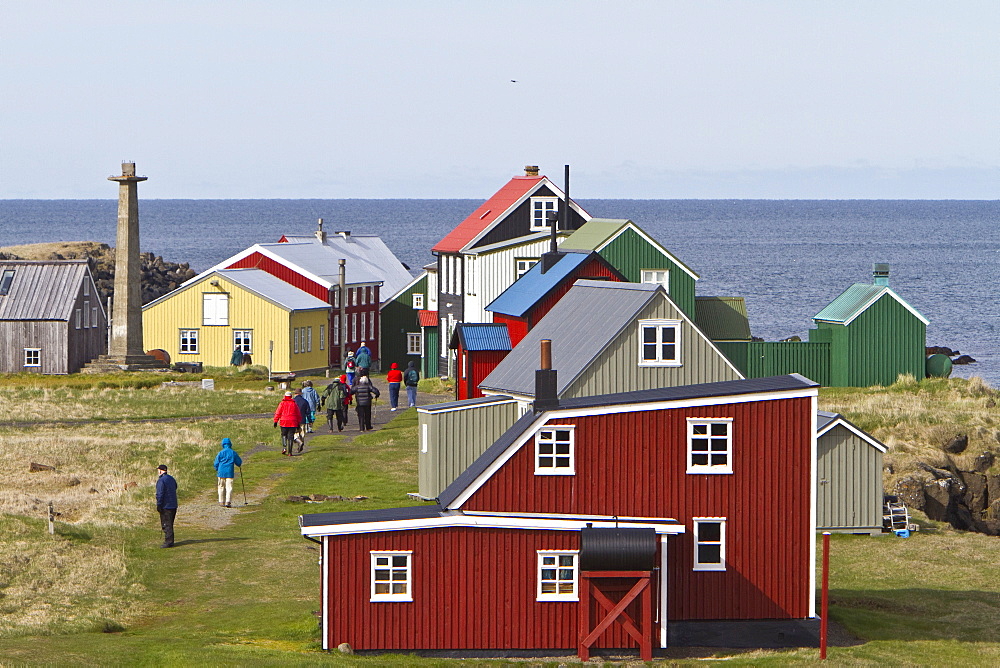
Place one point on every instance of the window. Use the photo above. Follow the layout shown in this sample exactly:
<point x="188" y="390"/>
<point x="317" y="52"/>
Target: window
<point x="308" y="331"/>
<point x="295" y="340"/>
<point x="86" y="287"/>
<point x="243" y="340"/>
<point x="557" y="576"/>
<point x="364" y="324"/>
<point x="657" y="277"/>
<point x="391" y="576"/>
<point x="189" y="341"/>
<point x="5" y="280"/>
<point x="709" y="543"/>
<point x="354" y="327"/>
<point x="371" y="326"/>
<point x="554" y="451"/>
<point x="336" y="298"/>
<point x="418" y="300"/>
<point x="540" y="208"/>
<point x="414" y="345"/>
<point x="86" y="315"/>
<point x="522" y="265"/>
<point x="470" y="283"/>
<point x="93" y="316"/>
<point x="322" y="337"/>
<point x="215" y="308"/>
<point x="336" y="330"/>
<point x="76" y="319"/>
<point x="32" y="357"/>
<point x="709" y="445"/>
<point x="659" y="343"/>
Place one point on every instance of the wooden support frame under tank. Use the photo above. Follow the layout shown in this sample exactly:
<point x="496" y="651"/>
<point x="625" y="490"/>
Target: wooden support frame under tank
<point x="616" y="611"/>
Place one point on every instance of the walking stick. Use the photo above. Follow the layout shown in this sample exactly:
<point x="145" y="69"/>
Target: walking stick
<point x="245" y="502"/>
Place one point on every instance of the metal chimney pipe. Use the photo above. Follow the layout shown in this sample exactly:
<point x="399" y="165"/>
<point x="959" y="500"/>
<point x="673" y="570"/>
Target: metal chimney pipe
<point x="546" y="350"/>
<point x="342" y="334"/>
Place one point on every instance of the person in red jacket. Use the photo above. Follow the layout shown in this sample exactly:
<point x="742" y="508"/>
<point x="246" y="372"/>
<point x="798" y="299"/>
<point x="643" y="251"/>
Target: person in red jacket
<point x="394" y="378"/>
<point x="288" y="417"/>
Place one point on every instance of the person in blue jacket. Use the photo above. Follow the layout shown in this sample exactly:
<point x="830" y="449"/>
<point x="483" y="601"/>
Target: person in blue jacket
<point x="166" y="503"/>
<point x="225" y="468"/>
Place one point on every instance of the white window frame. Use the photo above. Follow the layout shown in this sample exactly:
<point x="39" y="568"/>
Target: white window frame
<point x="650" y="276"/>
<point x="295" y="340"/>
<point x="322" y="337"/>
<point x="86" y="287"/>
<point x="243" y="339"/>
<point x="93" y="316"/>
<point x="6" y="279"/>
<point x="522" y="265"/>
<point x="364" y="324"/>
<point x="371" y="325"/>
<point x="33" y="357"/>
<point x="659" y="326"/>
<point x="214" y="309"/>
<point x="406" y="596"/>
<point x="77" y="318"/>
<point x="191" y="347"/>
<point x="418" y="301"/>
<point x="86" y="315"/>
<point x="542" y="441"/>
<point x="424" y="436"/>
<point x="699" y="541"/>
<point x="542" y="566"/>
<point x="309" y="339"/>
<point x="414" y="338"/>
<point x="336" y="330"/>
<point x="540" y="207"/>
<point x="692" y="467"/>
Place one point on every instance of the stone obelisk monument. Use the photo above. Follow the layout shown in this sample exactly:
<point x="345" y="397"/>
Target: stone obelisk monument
<point x="125" y="350"/>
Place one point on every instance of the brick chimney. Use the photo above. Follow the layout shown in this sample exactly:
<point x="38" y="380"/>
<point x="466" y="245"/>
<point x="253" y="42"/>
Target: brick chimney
<point x="531" y="170"/>
<point x="546" y="397"/>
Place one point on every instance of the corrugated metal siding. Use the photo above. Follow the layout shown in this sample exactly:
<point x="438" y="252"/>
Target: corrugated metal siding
<point x="630" y="254"/>
<point x="430" y="357"/>
<point x="476" y="365"/>
<point x="42" y="290"/>
<point x="617" y="368"/>
<point x="634" y="464"/>
<point x="593" y="270"/>
<point x="462" y="599"/>
<point x="259" y="261"/>
<point x="883" y="342"/>
<point x="517" y="328"/>
<point x="397" y="319"/>
<point x="849" y="486"/>
<point x="456" y="438"/>
<point x="493" y="273"/>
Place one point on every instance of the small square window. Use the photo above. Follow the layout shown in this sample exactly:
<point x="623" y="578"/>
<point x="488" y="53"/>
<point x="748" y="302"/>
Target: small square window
<point x="418" y="300"/>
<point x="541" y="207"/>
<point x="657" y="277"/>
<point x="659" y="343"/>
<point x="554" y="450"/>
<point x="5" y="280"/>
<point x="523" y="265"/>
<point x="414" y="344"/>
<point x="709" y="543"/>
<point x="243" y="340"/>
<point x="215" y="308"/>
<point x="709" y="445"/>
<point x="391" y="576"/>
<point x="33" y="357"/>
<point x="189" y="341"/>
<point x="557" y="576"/>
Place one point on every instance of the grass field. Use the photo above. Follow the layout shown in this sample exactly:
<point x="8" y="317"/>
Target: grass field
<point x="240" y="588"/>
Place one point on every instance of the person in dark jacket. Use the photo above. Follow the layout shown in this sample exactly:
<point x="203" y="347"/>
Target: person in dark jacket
<point x="364" y="392"/>
<point x="225" y="468"/>
<point x="166" y="503"/>
<point x="411" y="378"/>
<point x="336" y="398"/>
<point x="363" y="356"/>
<point x="288" y="417"/>
<point x="303" y="405"/>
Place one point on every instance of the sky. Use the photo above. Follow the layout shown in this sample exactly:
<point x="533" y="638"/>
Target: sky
<point x="445" y="99"/>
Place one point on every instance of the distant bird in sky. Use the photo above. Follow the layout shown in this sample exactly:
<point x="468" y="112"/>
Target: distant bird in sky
<point x="513" y="80"/>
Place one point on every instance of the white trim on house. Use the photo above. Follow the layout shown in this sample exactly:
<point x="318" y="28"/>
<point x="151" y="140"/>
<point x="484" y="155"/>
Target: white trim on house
<point x="541" y="566"/>
<point x="662" y="581"/>
<point x="840" y="421"/>
<point x="699" y="566"/>
<point x="430" y="409"/>
<point x="709" y="468"/>
<point x="407" y="595"/>
<point x="660" y="324"/>
<point x="406" y="287"/>
<point x="324" y="564"/>
<point x="460" y="520"/>
<point x="813" y="500"/>
<point x="666" y="521"/>
<point x="554" y="455"/>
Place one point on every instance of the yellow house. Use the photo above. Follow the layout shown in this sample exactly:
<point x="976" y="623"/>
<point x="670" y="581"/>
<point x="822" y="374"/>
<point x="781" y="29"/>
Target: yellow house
<point x="205" y="320"/>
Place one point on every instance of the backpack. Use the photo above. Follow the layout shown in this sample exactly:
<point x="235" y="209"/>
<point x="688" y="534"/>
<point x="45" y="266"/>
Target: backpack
<point x="339" y="393"/>
<point x="411" y="377"/>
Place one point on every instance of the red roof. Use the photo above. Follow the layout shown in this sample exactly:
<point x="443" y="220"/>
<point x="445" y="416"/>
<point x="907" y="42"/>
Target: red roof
<point x="427" y="318"/>
<point x="487" y="214"/>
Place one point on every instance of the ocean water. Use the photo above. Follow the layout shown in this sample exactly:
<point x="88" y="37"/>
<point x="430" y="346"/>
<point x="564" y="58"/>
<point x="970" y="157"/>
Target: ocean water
<point x="789" y="258"/>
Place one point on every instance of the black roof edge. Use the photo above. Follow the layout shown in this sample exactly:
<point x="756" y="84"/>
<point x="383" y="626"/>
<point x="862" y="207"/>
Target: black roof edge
<point x="463" y="403"/>
<point x="378" y="515"/>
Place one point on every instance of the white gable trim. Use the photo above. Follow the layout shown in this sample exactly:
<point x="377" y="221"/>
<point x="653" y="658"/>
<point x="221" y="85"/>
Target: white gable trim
<point x="871" y="300"/>
<point x="841" y="422"/>
<point x="654" y="243"/>
<point x="813" y="499"/>
<point x="459" y="520"/>
<point x="499" y="402"/>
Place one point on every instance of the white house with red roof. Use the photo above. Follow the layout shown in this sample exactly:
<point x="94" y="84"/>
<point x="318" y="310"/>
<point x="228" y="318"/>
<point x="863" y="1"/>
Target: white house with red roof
<point x="496" y="244"/>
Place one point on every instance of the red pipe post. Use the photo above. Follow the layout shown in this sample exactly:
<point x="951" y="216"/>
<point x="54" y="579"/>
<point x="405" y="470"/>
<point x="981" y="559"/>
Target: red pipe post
<point x="825" y="604"/>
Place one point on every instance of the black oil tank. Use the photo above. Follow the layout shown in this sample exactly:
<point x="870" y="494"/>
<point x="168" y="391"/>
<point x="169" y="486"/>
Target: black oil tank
<point x="617" y="549"/>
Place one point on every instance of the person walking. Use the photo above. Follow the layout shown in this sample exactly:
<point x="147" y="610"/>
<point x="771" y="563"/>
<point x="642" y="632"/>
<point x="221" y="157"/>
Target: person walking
<point x="336" y="397"/>
<point x="225" y="468"/>
<point x="411" y="378"/>
<point x="303" y="405"/>
<point x="364" y="392"/>
<point x="394" y="378"/>
<point x="363" y="357"/>
<point x="237" y="357"/>
<point x="288" y="417"/>
<point x="166" y="503"/>
<point x="351" y="367"/>
<point x="311" y="396"/>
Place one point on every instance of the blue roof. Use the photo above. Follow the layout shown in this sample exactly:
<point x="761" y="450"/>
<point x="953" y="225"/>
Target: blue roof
<point x="531" y="288"/>
<point x="482" y="336"/>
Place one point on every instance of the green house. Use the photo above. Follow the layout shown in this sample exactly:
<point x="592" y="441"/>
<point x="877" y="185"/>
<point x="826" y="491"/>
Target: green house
<point x="638" y="256"/>
<point x="874" y="335"/>
<point x="402" y="338"/>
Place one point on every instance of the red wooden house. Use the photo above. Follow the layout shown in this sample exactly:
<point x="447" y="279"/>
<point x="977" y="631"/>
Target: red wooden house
<point x="720" y="476"/>
<point x="479" y="348"/>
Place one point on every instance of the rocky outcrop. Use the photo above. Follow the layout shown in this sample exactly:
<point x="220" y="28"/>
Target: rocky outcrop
<point x="957" y="357"/>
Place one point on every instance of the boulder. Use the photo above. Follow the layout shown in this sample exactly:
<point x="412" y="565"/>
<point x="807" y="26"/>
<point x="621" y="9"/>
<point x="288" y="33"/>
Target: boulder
<point x="911" y="491"/>
<point x="297" y="499"/>
<point x="345" y="648"/>
<point x="35" y="467"/>
<point x="993" y="487"/>
<point x="988" y="527"/>
<point x="937" y="499"/>
<point x="322" y="497"/>
<point x="974" y="497"/>
<point x="940" y="350"/>
<point x="984" y="462"/>
<point x="963" y="359"/>
<point x="957" y="445"/>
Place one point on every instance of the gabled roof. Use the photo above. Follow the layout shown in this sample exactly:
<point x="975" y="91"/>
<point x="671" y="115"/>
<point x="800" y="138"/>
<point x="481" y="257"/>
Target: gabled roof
<point x="722" y="318"/>
<point x="597" y="233"/>
<point x="493" y="210"/>
<point x="534" y="286"/>
<point x="856" y="299"/>
<point x="427" y="318"/>
<point x="480" y="337"/>
<point x="413" y="281"/>
<point x="825" y="421"/>
<point x="43" y="289"/>
<point x="462" y="404"/>
<point x="574" y="343"/>
<point x="513" y="438"/>
<point x="364" y="249"/>
<point x="260" y="283"/>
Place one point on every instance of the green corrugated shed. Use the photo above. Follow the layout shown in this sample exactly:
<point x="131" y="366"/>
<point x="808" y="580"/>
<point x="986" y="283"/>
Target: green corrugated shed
<point x="722" y="318"/>
<point x="874" y="337"/>
<point x="760" y="359"/>
<point x="399" y="318"/>
<point x="630" y="250"/>
<point x="429" y="368"/>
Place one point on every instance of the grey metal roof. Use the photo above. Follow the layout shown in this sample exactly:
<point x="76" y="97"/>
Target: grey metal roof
<point x="273" y="289"/>
<point x="367" y="251"/>
<point x="823" y="418"/>
<point x="322" y="262"/>
<point x="580" y="325"/>
<point x="43" y="290"/>
<point x="464" y="403"/>
<point x="362" y="516"/>
<point x="679" y="393"/>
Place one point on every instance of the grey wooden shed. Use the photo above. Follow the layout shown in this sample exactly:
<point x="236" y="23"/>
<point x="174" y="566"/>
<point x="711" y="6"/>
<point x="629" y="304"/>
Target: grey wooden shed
<point x="849" y="477"/>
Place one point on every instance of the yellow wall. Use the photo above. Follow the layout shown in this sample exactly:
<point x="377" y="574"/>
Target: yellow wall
<point x="163" y="321"/>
